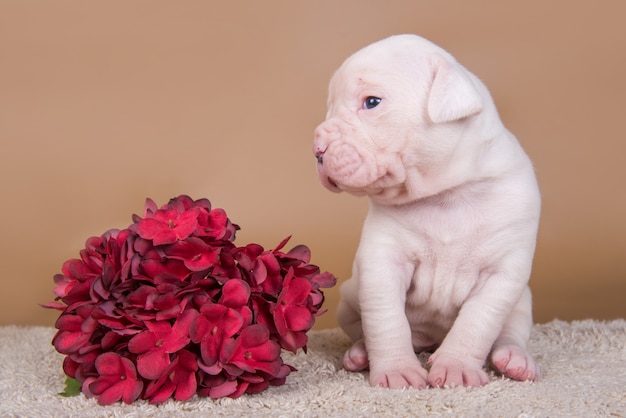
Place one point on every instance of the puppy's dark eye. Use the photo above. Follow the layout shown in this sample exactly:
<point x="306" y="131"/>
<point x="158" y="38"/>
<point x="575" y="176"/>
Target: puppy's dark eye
<point x="371" y="102"/>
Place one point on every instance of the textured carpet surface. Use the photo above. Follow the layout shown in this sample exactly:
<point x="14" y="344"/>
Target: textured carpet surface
<point x="583" y="375"/>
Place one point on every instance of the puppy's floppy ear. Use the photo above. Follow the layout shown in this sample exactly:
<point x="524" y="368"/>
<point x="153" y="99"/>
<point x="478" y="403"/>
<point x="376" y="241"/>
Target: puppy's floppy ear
<point x="452" y="94"/>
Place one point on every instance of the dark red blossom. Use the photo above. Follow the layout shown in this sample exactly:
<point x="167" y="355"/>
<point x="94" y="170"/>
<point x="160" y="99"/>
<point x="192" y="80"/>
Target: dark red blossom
<point x="215" y="324"/>
<point x="117" y="380"/>
<point x="156" y="343"/>
<point x="75" y="330"/>
<point x="178" y="379"/>
<point x="221" y="385"/>
<point x="291" y="312"/>
<point x="249" y="363"/>
<point x="195" y="254"/>
<point x="168" y="226"/>
<point x="262" y="267"/>
<point x="251" y="352"/>
<point x="151" y="268"/>
<point x="170" y="307"/>
<point x="215" y="224"/>
<point x="292" y="316"/>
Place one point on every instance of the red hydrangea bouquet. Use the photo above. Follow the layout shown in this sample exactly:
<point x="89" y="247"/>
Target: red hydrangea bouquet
<point x="170" y="307"/>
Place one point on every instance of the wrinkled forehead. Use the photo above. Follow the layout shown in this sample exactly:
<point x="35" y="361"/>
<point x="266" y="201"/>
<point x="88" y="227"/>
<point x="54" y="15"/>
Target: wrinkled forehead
<point x="353" y="78"/>
<point x="374" y="69"/>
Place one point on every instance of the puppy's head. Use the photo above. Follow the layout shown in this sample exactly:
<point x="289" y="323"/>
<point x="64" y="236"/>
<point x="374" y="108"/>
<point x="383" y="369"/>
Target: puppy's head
<point x="395" y="111"/>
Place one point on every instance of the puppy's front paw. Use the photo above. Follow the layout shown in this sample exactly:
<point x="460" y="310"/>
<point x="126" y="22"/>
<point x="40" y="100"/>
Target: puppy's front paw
<point x="451" y="372"/>
<point x="514" y="362"/>
<point x="399" y="377"/>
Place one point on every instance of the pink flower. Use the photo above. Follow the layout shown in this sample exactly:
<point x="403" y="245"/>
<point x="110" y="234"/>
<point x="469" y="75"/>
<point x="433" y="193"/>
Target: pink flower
<point x="236" y="295"/>
<point x="215" y="224"/>
<point x="262" y="268"/>
<point x="251" y="352"/>
<point x="249" y="363"/>
<point x="291" y="314"/>
<point x="103" y="262"/>
<point x="318" y="281"/>
<point x="75" y="283"/>
<point x="194" y="253"/>
<point x="227" y="267"/>
<point x="170" y="307"/>
<point x="150" y="268"/>
<point x="75" y="330"/>
<point x="168" y="226"/>
<point x="156" y="343"/>
<point x="117" y="380"/>
<point x="178" y="379"/>
<point x="215" y="324"/>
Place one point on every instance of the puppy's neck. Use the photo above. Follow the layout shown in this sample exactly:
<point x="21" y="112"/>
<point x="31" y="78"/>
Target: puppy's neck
<point x="495" y="160"/>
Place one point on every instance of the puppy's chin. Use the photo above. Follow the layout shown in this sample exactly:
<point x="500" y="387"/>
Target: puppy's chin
<point x="336" y="187"/>
<point x="329" y="183"/>
<point x="372" y="190"/>
<point x="382" y="191"/>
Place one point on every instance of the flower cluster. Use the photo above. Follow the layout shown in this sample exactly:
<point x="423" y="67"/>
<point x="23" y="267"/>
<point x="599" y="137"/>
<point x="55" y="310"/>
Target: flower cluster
<point x="170" y="307"/>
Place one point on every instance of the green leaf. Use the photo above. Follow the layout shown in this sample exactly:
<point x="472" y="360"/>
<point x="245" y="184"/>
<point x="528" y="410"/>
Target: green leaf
<point x="72" y="388"/>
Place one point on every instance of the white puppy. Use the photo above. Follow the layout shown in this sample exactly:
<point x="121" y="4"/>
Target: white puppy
<point x="447" y="246"/>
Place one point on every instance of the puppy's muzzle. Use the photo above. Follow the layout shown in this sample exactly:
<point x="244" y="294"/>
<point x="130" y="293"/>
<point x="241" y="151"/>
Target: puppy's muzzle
<point x="319" y="156"/>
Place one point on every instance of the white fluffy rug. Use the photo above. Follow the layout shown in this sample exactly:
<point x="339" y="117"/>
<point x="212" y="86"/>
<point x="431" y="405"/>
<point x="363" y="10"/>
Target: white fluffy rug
<point x="583" y="375"/>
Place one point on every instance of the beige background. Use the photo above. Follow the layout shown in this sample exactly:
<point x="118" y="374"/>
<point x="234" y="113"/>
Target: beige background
<point x="103" y="104"/>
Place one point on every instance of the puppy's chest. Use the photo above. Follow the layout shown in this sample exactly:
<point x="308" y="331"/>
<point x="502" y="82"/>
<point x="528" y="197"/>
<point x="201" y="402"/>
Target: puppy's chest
<point x="448" y="254"/>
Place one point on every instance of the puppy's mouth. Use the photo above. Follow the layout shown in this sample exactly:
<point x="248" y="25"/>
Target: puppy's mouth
<point x="330" y="184"/>
<point x="343" y="168"/>
<point x="336" y="187"/>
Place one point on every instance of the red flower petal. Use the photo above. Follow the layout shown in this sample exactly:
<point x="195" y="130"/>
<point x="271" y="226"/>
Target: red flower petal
<point x="282" y="244"/>
<point x="259" y="273"/>
<point x="161" y="393"/>
<point x="180" y="331"/>
<point x="216" y="224"/>
<point x="157" y="231"/>
<point x="297" y="292"/>
<point x="69" y="342"/>
<point x="292" y="341"/>
<point x="215" y="325"/>
<point x="254" y="335"/>
<point x="300" y="252"/>
<point x="178" y="379"/>
<point x="187" y="383"/>
<point x="69" y="323"/>
<point x="150" y="208"/>
<point x="253" y="351"/>
<point x="117" y="380"/>
<point x="168" y="226"/>
<point x="298" y="318"/>
<point x="225" y="389"/>
<point x="153" y="363"/>
<point x="325" y="280"/>
<point x="241" y="389"/>
<point x="235" y="293"/>
<point x="195" y="253"/>
<point x="142" y="342"/>
<point x="153" y="268"/>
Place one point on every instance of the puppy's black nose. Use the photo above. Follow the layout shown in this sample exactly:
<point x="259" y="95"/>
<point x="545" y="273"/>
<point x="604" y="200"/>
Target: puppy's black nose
<point x="320" y="157"/>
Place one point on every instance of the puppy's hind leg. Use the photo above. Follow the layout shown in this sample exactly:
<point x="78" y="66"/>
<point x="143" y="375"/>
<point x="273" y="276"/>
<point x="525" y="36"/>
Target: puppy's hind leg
<point x="509" y="355"/>
<point x="355" y="358"/>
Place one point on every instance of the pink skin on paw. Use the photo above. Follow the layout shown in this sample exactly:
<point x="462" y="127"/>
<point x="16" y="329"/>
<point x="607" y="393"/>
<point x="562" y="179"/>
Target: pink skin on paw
<point x="410" y="374"/>
<point x="448" y="373"/>
<point x="355" y="358"/>
<point x="513" y="362"/>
